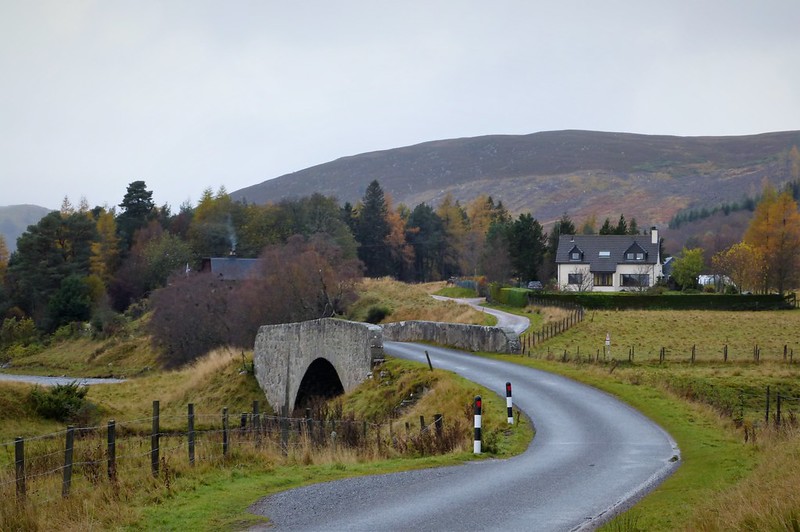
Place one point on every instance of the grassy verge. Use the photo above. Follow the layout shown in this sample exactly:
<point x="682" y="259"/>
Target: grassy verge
<point x="735" y="469"/>
<point x="402" y="301"/>
<point x="712" y="455"/>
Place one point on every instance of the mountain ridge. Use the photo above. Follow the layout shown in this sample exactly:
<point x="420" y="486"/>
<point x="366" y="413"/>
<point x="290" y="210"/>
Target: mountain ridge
<point x="583" y="173"/>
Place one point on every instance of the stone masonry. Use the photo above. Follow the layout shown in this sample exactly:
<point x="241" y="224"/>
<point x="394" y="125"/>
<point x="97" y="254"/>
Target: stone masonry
<point x="284" y="352"/>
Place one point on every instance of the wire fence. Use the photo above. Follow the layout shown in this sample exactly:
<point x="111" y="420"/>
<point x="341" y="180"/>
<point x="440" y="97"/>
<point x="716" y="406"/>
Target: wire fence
<point x="751" y="407"/>
<point x="86" y="457"/>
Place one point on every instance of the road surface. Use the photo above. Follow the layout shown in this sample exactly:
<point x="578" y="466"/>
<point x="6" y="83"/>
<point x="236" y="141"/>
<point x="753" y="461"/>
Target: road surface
<point x="53" y="381"/>
<point x="592" y="457"/>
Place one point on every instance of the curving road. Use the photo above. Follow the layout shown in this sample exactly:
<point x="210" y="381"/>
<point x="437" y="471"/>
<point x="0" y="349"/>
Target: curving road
<point x="592" y="456"/>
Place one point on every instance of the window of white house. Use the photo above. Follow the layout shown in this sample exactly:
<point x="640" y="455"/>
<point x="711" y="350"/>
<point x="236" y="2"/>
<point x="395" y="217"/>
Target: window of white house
<point x="605" y="253"/>
<point x="634" y="256"/>
<point x="575" y="278"/>
<point x="604" y="279"/>
<point x="635" y="279"/>
<point x="575" y="255"/>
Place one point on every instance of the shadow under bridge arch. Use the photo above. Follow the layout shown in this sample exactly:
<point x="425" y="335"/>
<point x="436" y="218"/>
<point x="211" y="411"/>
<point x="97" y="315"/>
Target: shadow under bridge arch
<point x="293" y="360"/>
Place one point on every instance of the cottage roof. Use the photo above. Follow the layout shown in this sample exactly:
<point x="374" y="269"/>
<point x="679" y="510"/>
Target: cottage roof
<point x="233" y="268"/>
<point x="604" y="252"/>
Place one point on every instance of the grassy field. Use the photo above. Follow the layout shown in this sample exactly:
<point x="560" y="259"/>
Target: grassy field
<point x="736" y="467"/>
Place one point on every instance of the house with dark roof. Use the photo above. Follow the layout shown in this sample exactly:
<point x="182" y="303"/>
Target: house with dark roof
<point x="608" y="263"/>
<point x="230" y="268"/>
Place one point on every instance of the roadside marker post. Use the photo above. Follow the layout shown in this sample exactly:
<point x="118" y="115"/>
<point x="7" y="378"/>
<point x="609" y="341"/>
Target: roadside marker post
<point x="509" y="404"/>
<point x="478" y="407"/>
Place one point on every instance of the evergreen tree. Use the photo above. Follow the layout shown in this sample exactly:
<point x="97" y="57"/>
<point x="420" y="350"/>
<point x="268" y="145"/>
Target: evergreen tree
<point x="425" y="233"/>
<point x="137" y="209"/>
<point x="607" y="229"/>
<point x="526" y="246"/>
<point x="563" y="226"/>
<point x="622" y="226"/>
<point x="372" y="231"/>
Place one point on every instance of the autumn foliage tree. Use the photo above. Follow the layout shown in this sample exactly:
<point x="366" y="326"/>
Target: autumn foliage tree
<point x="743" y="264"/>
<point x="775" y="232"/>
<point x="300" y="280"/>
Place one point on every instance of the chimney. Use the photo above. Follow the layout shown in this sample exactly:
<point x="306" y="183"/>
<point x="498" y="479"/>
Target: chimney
<point x="653" y="235"/>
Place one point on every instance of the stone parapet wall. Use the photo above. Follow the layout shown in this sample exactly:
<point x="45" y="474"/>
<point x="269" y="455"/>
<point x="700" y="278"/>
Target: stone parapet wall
<point x="457" y="335"/>
<point x="283" y="353"/>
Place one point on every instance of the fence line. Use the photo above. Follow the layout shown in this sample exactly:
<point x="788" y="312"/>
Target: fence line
<point x="39" y="458"/>
<point x="575" y="316"/>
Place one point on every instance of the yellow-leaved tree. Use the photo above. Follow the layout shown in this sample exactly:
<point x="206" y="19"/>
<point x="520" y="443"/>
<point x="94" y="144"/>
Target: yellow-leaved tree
<point x="105" y="249"/>
<point x="744" y="264"/>
<point x="775" y="232"/>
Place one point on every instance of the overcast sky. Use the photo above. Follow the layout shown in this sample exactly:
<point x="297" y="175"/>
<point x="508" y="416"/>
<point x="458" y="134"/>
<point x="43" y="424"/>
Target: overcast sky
<point x="188" y="95"/>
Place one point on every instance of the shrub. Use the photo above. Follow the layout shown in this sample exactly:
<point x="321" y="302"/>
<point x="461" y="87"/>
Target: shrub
<point x="376" y="314"/>
<point x="63" y="402"/>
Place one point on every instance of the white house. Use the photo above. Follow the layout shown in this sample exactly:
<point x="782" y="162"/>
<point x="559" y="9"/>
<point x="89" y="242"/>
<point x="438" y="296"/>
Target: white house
<point x="608" y="263"/>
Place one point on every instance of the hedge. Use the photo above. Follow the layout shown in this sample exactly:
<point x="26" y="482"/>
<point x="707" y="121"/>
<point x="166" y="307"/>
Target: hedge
<point x="513" y="297"/>
<point x="622" y="301"/>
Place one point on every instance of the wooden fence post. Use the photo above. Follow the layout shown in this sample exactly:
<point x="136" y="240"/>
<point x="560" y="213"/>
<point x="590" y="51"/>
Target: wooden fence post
<point x="284" y="431"/>
<point x="725" y="353"/>
<point x="439" y="424"/>
<point x="256" y="425"/>
<point x="154" y="440"/>
<point x="421" y="423"/>
<point x="19" y="466"/>
<point x="112" y="450"/>
<point x="766" y="414"/>
<point x="778" y="412"/>
<point x="68" y="454"/>
<point x="225" y="431"/>
<point x="191" y="433"/>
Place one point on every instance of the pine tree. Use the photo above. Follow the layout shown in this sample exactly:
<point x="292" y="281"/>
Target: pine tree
<point x="372" y="231"/>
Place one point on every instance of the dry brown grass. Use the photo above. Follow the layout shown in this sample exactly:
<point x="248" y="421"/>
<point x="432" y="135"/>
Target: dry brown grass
<point x="767" y="499"/>
<point x="412" y="302"/>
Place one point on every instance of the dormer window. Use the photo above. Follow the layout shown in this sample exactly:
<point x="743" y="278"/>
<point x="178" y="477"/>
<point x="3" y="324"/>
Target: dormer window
<point x="575" y="254"/>
<point x="634" y="256"/>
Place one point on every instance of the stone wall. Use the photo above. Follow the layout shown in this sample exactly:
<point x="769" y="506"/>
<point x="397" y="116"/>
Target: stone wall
<point x="459" y="336"/>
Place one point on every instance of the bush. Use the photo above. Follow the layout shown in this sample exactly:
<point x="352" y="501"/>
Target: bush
<point x="376" y="314"/>
<point x="63" y="402"/>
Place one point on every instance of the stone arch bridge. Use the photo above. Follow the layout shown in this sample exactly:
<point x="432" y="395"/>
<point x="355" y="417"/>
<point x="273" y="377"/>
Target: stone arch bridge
<point x="327" y="357"/>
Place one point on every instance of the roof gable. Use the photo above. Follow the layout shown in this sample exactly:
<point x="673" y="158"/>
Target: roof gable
<point x="604" y="252"/>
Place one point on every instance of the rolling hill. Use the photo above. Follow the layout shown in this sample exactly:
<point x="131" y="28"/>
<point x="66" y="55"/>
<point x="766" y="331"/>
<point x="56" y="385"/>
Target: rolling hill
<point x="15" y="219"/>
<point x="582" y="173"/>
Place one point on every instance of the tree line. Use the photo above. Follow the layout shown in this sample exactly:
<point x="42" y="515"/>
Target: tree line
<point x="92" y="265"/>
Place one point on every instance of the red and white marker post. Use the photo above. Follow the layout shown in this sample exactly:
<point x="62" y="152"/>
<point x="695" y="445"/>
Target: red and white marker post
<point x="478" y="407"/>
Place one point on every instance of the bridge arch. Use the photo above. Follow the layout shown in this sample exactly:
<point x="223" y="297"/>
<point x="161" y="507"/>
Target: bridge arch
<point x="317" y="352"/>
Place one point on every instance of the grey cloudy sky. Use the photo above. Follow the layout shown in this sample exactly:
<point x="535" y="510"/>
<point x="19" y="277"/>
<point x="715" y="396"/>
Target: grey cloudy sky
<point x="187" y="95"/>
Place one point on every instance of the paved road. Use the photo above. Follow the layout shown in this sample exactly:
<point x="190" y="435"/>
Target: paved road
<point x="517" y="323"/>
<point x="53" y="381"/>
<point x="592" y="456"/>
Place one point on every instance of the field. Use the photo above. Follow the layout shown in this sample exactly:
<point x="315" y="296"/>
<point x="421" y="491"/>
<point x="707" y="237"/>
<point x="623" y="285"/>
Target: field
<point x="738" y="462"/>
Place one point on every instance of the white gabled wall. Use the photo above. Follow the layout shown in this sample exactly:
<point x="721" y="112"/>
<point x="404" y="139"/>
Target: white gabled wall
<point x="653" y="270"/>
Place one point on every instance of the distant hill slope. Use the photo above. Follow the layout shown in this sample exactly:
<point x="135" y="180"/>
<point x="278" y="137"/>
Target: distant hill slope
<point x="583" y="173"/>
<point x="15" y="219"/>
